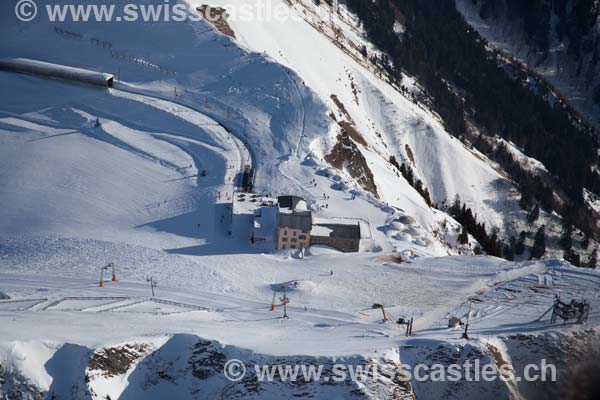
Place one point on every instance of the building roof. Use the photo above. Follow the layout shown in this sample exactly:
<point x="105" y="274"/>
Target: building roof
<point x="290" y="202"/>
<point x="296" y="220"/>
<point x="340" y="231"/>
<point x="265" y="222"/>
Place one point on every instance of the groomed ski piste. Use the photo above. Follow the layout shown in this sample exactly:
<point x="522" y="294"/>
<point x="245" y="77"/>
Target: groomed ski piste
<point x="142" y="175"/>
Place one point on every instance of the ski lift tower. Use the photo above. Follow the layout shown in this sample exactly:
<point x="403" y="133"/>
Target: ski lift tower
<point x="465" y="334"/>
<point x="110" y="267"/>
<point x="285" y="303"/>
<point x="152" y="283"/>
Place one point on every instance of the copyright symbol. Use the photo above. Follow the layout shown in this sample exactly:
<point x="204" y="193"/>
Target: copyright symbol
<point x="234" y="370"/>
<point x="26" y="10"/>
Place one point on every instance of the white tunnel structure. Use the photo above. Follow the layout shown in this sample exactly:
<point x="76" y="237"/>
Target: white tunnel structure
<point x="56" y="71"/>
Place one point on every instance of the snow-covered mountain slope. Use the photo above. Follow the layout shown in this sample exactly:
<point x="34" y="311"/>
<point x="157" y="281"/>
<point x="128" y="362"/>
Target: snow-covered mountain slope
<point x="322" y="45"/>
<point x="281" y="120"/>
<point x="141" y="175"/>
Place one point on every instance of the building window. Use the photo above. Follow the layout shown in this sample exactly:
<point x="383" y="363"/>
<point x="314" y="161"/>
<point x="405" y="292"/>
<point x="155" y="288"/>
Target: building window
<point x="292" y="246"/>
<point x="285" y="233"/>
<point x="294" y="234"/>
<point x="284" y="239"/>
<point x="302" y="237"/>
<point x="294" y="240"/>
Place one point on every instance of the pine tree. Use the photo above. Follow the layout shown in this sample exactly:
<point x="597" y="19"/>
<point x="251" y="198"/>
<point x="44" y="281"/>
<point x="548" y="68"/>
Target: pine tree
<point x="586" y="242"/>
<point x="592" y="261"/>
<point x="566" y="239"/>
<point x="572" y="257"/>
<point x="463" y="238"/>
<point x="525" y="202"/>
<point x="533" y="215"/>
<point x="508" y="252"/>
<point x="539" y="244"/>
<point x="520" y="247"/>
<point x="455" y="207"/>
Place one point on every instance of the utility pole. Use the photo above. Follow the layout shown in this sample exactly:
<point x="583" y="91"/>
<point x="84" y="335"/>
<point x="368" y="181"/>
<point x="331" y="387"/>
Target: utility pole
<point x="152" y="282"/>
<point x="465" y="334"/>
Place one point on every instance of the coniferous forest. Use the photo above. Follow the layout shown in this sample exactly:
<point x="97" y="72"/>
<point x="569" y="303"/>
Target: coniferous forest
<point x="476" y="92"/>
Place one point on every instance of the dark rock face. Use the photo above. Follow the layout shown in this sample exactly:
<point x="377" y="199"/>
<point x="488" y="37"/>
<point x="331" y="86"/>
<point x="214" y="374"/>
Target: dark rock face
<point x="346" y="155"/>
<point x="116" y="360"/>
<point x="189" y="367"/>
<point x="13" y="386"/>
<point x="576" y="356"/>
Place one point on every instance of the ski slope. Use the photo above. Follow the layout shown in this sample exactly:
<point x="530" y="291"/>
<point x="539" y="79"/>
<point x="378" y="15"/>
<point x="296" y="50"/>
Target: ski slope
<point x="135" y="178"/>
<point x="330" y="315"/>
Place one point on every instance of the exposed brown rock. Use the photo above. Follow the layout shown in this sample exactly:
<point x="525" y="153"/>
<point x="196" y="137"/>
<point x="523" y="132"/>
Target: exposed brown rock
<point x="217" y="17"/>
<point x="346" y="155"/>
